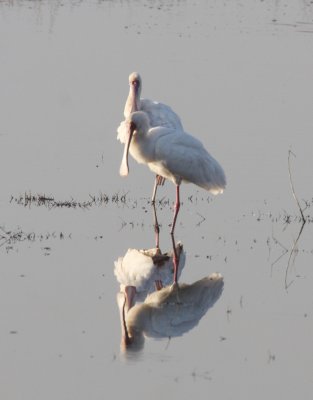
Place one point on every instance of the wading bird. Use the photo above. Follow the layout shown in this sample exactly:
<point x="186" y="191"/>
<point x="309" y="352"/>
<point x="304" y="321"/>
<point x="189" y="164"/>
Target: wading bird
<point x="172" y="155"/>
<point x="140" y="272"/>
<point x="159" y="114"/>
<point x="169" y="312"/>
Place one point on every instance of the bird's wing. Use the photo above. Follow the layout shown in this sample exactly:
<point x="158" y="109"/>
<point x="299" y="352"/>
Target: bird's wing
<point x="203" y="293"/>
<point x="186" y="158"/>
<point x="135" y="269"/>
<point x="122" y="132"/>
<point x="161" y="115"/>
<point x="174" y="312"/>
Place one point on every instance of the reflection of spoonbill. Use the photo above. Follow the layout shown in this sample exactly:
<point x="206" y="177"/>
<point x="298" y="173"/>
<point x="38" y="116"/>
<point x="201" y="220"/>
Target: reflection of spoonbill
<point x="169" y="312"/>
<point x="139" y="272"/>
<point x="159" y="114"/>
<point x="171" y="155"/>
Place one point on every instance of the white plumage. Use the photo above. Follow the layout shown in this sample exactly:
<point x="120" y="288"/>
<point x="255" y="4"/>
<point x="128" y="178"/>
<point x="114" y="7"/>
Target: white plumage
<point x="145" y="269"/>
<point x="169" y="312"/>
<point x="159" y="114"/>
<point x="172" y="155"/>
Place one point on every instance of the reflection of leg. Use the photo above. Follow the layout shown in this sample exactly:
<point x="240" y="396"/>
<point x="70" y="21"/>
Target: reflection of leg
<point x="175" y="259"/>
<point x="159" y="180"/>
<point x="176" y="209"/>
<point x="156" y="227"/>
<point x="154" y="190"/>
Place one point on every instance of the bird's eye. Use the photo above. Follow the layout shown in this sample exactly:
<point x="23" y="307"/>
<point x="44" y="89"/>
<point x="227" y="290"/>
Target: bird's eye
<point x="132" y="126"/>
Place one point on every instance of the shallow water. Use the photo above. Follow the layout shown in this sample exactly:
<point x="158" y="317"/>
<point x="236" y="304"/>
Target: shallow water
<point x="239" y="75"/>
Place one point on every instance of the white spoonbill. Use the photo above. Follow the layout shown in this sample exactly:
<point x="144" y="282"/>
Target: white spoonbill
<point x="169" y="312"/>
<point x="159" y="114"/>
<point x="139" y="272"/>
<point x="168" y="153"/>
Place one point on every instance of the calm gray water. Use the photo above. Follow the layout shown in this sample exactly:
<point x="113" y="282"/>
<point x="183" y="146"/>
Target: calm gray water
<point x="240" y="76"/>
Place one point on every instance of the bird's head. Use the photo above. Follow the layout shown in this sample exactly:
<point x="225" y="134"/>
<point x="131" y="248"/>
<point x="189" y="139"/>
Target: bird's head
<point x="133" y="100"/>
<point x="134" y="80"/>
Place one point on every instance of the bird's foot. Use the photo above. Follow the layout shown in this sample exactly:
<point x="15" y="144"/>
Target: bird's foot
<point x="160" y="180"/>
<point x="159" y="259"/>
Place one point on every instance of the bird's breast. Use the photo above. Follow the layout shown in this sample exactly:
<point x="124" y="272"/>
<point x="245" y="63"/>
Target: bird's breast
<point x="141" y="152"/>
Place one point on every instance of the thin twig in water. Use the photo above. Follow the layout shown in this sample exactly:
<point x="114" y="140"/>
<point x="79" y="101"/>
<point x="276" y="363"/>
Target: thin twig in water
<point x="285" y="250"/>
<point x="302" y="226"/>
<point x="202" y="220"/>
<point x="292" y="188"/>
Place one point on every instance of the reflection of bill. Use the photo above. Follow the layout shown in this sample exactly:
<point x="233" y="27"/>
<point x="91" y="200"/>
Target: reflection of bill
<point x="169" y="312"/>
<point x="140" y="272"/>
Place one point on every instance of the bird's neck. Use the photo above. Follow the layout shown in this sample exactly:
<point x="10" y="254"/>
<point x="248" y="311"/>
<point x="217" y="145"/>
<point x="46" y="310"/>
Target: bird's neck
<point x="142" y="149"/>
<point x="138" y="318"/>
<point x="132" y="102"/>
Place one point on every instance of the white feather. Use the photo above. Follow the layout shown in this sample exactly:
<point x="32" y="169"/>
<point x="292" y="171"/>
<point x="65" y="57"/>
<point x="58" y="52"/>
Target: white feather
<point x="175" y="156"/>
<point x="159" y="114"/>
<point x="141" y="268"/>
<point x="174" y="311"/>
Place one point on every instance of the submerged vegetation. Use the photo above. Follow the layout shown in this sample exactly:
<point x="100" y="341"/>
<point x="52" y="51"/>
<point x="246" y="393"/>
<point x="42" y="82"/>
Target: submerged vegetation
<point x="29" y="199"/>
<point x="278" y="251"/>
<point x="9" y="238"/>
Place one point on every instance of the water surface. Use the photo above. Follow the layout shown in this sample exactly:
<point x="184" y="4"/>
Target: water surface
<point x="239" y="75"/>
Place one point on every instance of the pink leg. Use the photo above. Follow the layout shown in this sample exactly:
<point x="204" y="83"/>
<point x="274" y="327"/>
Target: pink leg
<point x="176" y="208"/>
<point x="154" y="190"/>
